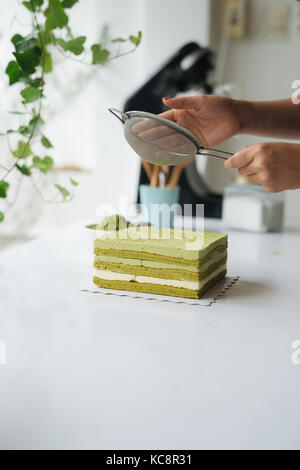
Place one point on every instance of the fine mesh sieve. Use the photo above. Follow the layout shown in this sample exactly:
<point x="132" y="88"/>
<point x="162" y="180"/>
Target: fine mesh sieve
<point x="161" y="141"/>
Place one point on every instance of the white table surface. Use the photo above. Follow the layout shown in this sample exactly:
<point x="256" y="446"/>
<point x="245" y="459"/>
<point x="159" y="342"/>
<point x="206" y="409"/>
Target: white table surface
<point x="92" y="371"/>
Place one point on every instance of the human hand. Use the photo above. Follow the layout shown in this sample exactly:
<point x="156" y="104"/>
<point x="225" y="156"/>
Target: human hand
<point x="274" y="165"/>
<point x="212" y="118"/>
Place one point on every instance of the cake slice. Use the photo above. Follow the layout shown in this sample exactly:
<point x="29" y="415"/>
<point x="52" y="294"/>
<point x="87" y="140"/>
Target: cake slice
<point x="174" y="262"/>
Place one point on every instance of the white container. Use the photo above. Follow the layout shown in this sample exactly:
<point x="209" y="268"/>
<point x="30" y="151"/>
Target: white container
<point x="249" y="207"/>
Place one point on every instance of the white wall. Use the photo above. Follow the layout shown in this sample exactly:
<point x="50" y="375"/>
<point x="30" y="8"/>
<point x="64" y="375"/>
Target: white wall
<point x="168" y="24"/>
<point x="263" y="69"/>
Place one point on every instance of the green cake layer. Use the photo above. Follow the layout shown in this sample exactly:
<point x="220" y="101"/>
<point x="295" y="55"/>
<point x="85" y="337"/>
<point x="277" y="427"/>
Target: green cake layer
<point x="184" y="245"/>
<point x="164" y="271"/>
<point x="143" y="259"/>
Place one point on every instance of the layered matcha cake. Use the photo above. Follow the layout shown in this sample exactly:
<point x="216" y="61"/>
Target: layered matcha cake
<point x="174" y="262"/>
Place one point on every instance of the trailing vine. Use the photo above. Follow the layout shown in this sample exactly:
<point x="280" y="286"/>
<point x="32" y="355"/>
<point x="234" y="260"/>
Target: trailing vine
<point x="32" y="62"/>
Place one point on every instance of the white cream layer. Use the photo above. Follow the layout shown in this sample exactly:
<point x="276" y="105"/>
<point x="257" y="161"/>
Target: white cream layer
<point x="190" y="285"/>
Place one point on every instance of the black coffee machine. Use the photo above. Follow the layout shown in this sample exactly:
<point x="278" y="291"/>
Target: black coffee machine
<point x="187" y="70"/>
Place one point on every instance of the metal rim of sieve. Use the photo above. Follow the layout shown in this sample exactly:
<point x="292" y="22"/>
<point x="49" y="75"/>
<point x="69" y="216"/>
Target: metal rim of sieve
<point x="123" y="117"/>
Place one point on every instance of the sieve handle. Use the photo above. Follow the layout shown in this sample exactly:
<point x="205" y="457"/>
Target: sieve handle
<point x="222" y="157"/>
<point x="119" y="114"/>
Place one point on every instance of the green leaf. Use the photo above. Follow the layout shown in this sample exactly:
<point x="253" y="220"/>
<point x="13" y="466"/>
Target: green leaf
<point x="19" y="113"/>
<point x="136" y="39"/>
<point x="46" y="142"/>
<point x="43" y="164"/>
<point x="24" y="44"/>
<point x="47" y="62"/>
<point x="1" y="217"/>
<point x="35" y="125"/>
<point x="62" y="43"/>
<point x="14" y="72"/>
<point x="24" y="130"/>
<point x="73" y="182"/>
<point x="64" y="192"/>
<point x="3" y="189"/>
<point x="119" y="40"/>
<point x="28" y="6"/>
<point x="23" y="150"/>
<point x="29" y="59"/>
<point x="68" y="3"/>
<point x="11" y="131"/>
<point x="99" y="55"/>
<point x="36" y="82"/>
<point x="76" y="45"/>
<point x="25" y="170"/>
<point x="55" y="15"/>
<point x="15" y="39"/>
<point x="31" y="94"/>
<point x="36" y="5"/>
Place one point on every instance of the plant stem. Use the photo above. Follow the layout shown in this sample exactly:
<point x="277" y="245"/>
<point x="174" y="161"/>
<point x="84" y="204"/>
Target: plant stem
<point x="10" y="204"/>
<point x="4" y="167"/>
<point x="117" y="56"/>
<point x="37" y="116"/>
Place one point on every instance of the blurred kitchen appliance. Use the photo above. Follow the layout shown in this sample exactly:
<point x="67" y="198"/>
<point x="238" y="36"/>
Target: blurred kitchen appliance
<point x="187" y="71"/>
<point x="251" y="208"/>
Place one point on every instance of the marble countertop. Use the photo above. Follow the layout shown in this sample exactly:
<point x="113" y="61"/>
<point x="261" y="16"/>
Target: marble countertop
<point x="90" y="371"/>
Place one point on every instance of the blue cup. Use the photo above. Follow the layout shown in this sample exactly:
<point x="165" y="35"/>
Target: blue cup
<point x="159" y="205"/>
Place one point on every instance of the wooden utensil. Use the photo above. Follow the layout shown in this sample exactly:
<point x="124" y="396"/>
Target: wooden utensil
<point x="155" y="176"/>
<point x="176" y="173"/>
<point x="174" y="178"/>
<point x="148" y="169"/>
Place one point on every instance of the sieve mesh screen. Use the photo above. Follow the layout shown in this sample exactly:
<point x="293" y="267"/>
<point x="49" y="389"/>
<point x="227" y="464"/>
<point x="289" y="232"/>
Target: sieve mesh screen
<point x="158" y="143"/>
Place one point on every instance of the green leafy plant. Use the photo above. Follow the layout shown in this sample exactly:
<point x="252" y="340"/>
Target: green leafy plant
<point x="29" y="68"/>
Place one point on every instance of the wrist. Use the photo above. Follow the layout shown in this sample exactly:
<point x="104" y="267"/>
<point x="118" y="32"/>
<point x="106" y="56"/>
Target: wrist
<point x="245" y="113"/>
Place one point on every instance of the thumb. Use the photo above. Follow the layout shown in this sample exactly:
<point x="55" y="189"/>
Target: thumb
<point x="184" y="102"/>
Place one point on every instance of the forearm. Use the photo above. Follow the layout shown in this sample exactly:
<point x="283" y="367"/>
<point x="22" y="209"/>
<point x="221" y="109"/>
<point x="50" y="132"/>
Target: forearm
<point x="278" y="119"/>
